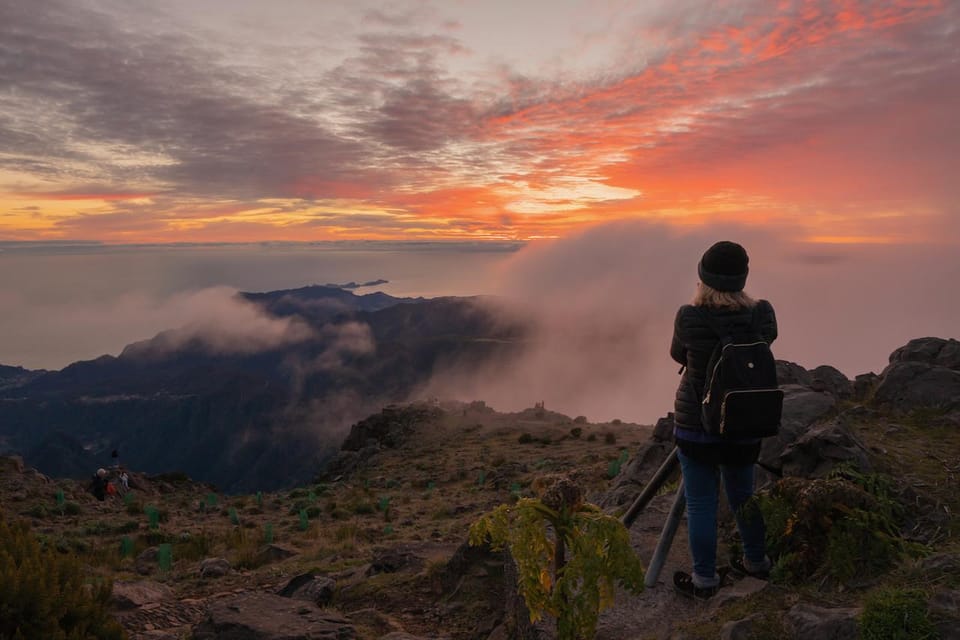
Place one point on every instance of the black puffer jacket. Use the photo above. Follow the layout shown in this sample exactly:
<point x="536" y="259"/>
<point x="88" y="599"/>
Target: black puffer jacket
<point x="693" y="344"/>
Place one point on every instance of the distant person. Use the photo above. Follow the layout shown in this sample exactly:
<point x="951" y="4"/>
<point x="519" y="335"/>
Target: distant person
<point x="719" y="307"/>
<point x="125" y="481"/>
<point x="98" y="484"/>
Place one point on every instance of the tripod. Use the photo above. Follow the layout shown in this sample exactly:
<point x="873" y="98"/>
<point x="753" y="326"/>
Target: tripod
<point x="669" y="530"/>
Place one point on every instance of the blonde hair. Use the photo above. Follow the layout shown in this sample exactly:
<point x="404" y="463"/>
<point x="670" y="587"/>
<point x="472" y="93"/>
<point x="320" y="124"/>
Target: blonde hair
<point x="707" y="296"/>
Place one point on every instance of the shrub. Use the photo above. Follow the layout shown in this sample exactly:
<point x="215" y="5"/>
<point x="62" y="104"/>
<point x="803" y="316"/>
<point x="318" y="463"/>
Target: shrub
<point x="844" y="527"/>
<point x="896" y="614"/>
<point x="610" y="438"/>
<point x="569" y="555"/>
<point x="580" y="419"/>
<point x="43" y="592"/>
<point x="525" y="438"/>
<point x="576" y="432"/>
<point x="592" y="437"/>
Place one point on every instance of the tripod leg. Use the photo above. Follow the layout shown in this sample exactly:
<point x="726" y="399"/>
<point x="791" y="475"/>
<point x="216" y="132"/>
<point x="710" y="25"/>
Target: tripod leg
<point x="648" y="493"/>
<point x="666" y="538"/>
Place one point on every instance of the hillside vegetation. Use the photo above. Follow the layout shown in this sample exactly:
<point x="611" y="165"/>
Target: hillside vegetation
<point x="860" y="495"/>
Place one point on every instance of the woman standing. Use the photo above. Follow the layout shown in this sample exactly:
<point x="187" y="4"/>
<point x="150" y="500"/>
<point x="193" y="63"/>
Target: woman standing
<point x="719" y="303"/>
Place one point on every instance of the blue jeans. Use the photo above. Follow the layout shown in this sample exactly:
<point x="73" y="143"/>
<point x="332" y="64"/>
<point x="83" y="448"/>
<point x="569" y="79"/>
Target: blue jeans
<point x="701" y="487"/>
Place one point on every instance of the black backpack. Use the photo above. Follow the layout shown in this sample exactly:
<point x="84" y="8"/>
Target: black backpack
<point x="741" y="398"/>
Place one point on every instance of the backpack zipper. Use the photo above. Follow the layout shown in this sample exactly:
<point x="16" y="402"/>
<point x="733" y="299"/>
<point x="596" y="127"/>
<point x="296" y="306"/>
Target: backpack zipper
<point x="713" y="374"/>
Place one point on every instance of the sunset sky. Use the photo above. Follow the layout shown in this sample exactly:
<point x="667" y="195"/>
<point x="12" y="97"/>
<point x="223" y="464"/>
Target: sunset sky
<point x="126" y="121"/>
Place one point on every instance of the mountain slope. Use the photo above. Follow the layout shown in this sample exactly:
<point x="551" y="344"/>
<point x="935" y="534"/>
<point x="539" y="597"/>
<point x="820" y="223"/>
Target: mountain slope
<point x="248" y="420"/>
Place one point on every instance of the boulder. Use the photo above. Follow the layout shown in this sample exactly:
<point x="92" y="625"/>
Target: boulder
<point x="663" y="430"/>
<point x="909" y="385"/>
<point x="214" y="568"/>
<point x="822" y="448"/>
<point x="265" y="616"/>
<point x="636" y="473"/>
<point x="806" y="622"/>
<point x="802" y="407"/>
<point x="130" y="595"/>
<point x="831" y="380"/>
<point x="932" y="351"/>
<point x="307" y="586"/>
<point x="792" y="373"/>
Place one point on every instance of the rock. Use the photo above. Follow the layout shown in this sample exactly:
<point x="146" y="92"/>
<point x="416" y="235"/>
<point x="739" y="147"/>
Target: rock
<point x="932" y="351"/>
<point x="214" y="568"/>
<point x="809" y="622"/>
<point x="130" y="595"/>
<point x="391" y="561"/>
<point x="274" y="553"/>
<point x="802" y="407"/>
<point x="306" y="586"/>
<point x="146" y="561"/>
<point x="663" y="430"/>
<point x="863" y="385"/>
<point x="831" y="380"/>
<point x="821" y="449"/>
<point x="745" y="629"/>
<point x="635" y="474"/>
<point x="390" y="427"/>
<point x="739" y="590"/>
<point x="264" y="616"/>
<point x="792" y="373"/>
<point x="910" y="385"/>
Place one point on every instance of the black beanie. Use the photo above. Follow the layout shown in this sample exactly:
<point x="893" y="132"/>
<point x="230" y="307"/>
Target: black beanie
<point x="724" y="267"/>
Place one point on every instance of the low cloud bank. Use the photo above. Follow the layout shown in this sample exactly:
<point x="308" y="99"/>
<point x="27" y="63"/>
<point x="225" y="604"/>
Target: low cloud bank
<point x="215" y="317"/>
<point x="603" y="304"/>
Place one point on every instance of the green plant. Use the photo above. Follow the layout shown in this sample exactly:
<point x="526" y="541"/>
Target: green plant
<point x="844" y="527"/>
<point x="572" y="587"/>
<point x="896" y="614"/>
<point x="42" y="593"/>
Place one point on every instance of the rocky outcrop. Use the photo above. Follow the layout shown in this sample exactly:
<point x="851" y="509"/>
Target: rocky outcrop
<point x="802" y="407"/>
<point x="264" y="616"/>
<point x="923" y="374"/>
<point x="933" y="351"/>
<point x="792" y="373"/>
<point x="821" y="448"/>
<point x="831" y="380"/>
<point x="388" y="428"/>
